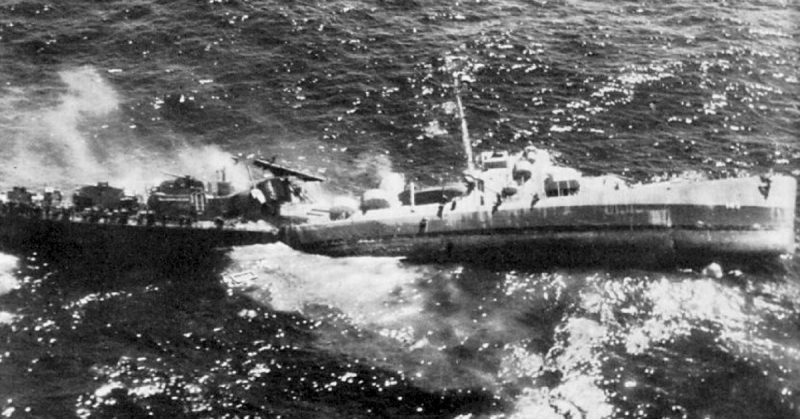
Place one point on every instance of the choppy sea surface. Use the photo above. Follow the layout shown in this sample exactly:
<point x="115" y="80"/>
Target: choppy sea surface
<point x="129" y="91"/>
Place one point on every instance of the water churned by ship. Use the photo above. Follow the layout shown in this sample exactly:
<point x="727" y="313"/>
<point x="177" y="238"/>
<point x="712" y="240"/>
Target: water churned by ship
<point x="353" y="90"/>
<point x="559" y="343"/>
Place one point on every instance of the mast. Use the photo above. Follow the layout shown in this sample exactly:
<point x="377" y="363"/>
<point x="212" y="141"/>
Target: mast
<point x="464" y="131"/>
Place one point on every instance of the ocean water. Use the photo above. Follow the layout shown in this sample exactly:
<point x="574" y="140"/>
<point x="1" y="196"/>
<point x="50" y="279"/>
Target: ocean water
<point x="130" y="92"/>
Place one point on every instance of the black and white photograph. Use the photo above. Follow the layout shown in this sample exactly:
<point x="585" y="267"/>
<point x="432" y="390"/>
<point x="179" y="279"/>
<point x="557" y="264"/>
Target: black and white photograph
<point x="462" y="209"/>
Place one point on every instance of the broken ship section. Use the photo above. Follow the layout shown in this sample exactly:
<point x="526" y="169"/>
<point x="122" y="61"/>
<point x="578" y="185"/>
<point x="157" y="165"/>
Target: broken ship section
<point x="655" y="223"/>
<point x="151" y="244"/>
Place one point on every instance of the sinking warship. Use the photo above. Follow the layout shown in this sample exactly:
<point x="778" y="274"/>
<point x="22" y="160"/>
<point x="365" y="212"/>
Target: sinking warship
<point x="510" y="208"/>
<point x="514" y="208"/>
<point x="524" y="208"/>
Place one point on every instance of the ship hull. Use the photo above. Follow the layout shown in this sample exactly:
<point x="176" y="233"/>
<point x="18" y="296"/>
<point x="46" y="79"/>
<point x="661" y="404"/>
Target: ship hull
<point x="128" y="243"/>
<point x="651" y="224"/>
<point x="654" y="224"/>
<point x="548" y="246"/>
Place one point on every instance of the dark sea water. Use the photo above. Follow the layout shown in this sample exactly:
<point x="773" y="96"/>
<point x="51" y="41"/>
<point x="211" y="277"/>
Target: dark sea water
<point x="127" y="91"/>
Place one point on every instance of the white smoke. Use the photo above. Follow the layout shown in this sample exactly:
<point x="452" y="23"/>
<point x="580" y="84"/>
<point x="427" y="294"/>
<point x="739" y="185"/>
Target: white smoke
<point x="88" y="95"/>
<point x="375" y="167"/>
<point x="46" y="142"/>
<point x="80" y="136"/>
<point x="204" y="163"/>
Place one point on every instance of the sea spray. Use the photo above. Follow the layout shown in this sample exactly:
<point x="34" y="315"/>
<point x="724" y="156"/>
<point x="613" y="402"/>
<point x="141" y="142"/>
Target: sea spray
<point x="8" y="282"/>
<point x="434" y="325"/>
<point x="399" y="318"/>
<point x="360" y="287"/>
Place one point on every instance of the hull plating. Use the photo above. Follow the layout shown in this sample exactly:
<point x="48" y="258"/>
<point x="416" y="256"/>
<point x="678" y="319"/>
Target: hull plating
<point x="686" y="220"/>
<point x="151" y="244"/>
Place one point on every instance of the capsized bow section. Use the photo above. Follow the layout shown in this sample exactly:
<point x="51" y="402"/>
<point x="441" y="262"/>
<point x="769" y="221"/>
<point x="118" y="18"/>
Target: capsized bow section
<point x="523" y="207"/>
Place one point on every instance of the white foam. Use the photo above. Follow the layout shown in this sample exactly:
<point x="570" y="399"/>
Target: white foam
<point x="660" y="311"/>
<point x="367" y="289"/>
<point x="579" y="362"/>
<point x="535" y="403"/>
<point x="519" y="362"/>
<point x="382" y="296"/>
<point x="576" y="355"/>
<point x="8" y="282"/>
<point x="6" y="317"/>
<point x="434" y="129"/>
<point x="679" y="307"/>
